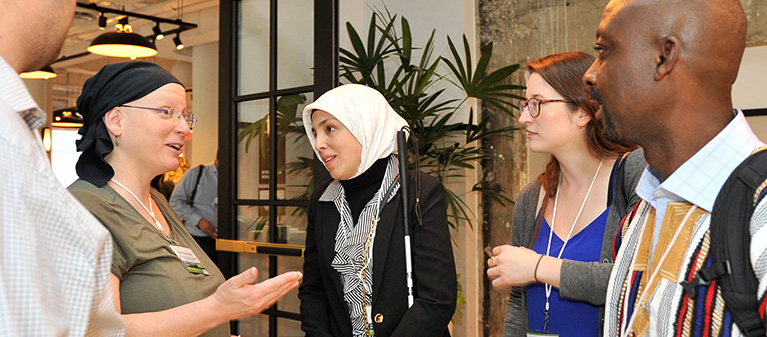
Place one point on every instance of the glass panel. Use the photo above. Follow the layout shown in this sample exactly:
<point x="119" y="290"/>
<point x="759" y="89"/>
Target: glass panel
<point x="255" y="326"/>
<point x="253" y="224"/>
<point x="295" y="151"/>
<point x="295" y="50"/>
<point x="292" y="225"/>
<point x="253" y="150"/>
<point x="290" y="302"/>
<point x="253" y="47"/>
<point x="289" y="328"/>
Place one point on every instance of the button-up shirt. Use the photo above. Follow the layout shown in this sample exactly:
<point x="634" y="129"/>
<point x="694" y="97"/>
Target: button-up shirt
<point x="55" y="257"/>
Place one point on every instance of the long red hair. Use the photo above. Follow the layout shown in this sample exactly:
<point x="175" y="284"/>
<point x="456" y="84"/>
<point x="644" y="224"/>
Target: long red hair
<point x="563" y="72"/>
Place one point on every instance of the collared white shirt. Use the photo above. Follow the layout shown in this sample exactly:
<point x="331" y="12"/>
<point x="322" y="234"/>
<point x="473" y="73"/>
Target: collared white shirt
<point x="55" y="257"/>
<point x="700" y="178"/>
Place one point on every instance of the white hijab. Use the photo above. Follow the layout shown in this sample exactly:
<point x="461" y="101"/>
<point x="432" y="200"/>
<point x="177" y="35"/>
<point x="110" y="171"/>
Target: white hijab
<point x="366" y="114"/>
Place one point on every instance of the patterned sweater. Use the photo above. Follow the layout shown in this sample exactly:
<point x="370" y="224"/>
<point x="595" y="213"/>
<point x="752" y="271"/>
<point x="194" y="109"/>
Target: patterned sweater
<point x="666" y="240"/>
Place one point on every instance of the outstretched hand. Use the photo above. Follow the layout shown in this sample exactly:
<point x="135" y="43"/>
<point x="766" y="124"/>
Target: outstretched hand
<point x="240" y="298"/>
<point x="511" y="266"/>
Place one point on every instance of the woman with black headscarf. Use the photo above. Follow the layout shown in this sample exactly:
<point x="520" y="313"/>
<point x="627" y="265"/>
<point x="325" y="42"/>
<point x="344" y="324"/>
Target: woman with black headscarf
<point x="354" y="265"/>
<point x="163" y="283"/>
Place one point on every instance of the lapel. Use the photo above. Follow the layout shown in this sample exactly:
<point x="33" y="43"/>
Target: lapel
<point x="383" y="240"/>
<point x="328" y="220"/>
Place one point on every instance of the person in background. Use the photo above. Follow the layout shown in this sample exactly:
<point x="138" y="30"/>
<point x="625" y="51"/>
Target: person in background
<point x="354" y="261"/>
<point x="560" y="256"/>
<point x="195" y="200"/>
<point x="166" y="182"/>
<point x="54" y="255"/>
<point x="664" y="81"/>
<point x="163" y="283"/>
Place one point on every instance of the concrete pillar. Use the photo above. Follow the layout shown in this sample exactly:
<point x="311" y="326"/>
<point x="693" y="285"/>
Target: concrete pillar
<point x="205" y="94"/>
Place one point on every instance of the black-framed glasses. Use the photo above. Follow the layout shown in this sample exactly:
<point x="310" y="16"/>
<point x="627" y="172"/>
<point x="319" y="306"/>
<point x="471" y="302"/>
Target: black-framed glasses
<point x="533" y="105"/>
<point x="170" y="113"/>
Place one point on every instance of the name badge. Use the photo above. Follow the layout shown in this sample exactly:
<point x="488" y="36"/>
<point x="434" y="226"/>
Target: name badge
<point x="191" y="262"/>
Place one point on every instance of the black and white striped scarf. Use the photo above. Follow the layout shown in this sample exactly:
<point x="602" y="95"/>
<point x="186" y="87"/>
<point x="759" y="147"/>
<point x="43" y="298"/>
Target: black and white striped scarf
<point x="350" y="244"/>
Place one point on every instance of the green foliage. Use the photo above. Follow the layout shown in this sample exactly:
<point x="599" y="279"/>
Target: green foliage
<point x="445" y="147"/>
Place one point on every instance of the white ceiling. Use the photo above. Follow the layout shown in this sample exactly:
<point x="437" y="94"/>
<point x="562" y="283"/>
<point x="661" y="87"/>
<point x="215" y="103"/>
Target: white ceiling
<point x="73" y="72"/>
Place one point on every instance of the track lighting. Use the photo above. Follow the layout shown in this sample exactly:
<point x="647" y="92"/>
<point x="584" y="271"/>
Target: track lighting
<point x="158" y="35"/>
<point x="177" y="41"/>
<point x="102" y="21"/>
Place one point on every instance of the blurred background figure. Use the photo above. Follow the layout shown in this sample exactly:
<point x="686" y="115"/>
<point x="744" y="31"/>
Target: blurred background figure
<point x="195" y="200"/>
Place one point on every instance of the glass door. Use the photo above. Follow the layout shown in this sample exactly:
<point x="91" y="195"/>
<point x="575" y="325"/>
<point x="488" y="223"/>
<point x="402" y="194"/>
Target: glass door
<point x="276" y="57"/>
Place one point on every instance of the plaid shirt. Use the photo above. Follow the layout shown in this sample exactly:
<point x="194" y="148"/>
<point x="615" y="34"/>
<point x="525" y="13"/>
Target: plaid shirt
<point x="55" y="257"/>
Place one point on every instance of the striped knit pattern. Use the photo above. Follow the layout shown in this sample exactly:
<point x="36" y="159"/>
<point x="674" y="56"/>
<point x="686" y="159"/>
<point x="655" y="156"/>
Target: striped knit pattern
<point x="350" y="245"/>
<point x="670" y="310"/>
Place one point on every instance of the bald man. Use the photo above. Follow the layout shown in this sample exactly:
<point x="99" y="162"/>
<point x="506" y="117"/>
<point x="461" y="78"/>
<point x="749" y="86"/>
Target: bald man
<point x="55" y="257"/>
<point x="664" y="77"/>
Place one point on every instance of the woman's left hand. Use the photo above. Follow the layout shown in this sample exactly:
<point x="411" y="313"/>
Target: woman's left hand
<point x="512" y="266"/>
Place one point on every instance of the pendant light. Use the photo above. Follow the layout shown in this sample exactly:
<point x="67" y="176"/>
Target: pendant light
<point x="42" y="73"/>
<point x="123" y="42"/>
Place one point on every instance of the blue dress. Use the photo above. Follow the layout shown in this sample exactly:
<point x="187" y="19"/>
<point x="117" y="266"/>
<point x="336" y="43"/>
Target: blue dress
<point x="567" y="317"/>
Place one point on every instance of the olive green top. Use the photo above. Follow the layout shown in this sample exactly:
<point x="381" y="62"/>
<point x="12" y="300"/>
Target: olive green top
<point x="152" y="277"/>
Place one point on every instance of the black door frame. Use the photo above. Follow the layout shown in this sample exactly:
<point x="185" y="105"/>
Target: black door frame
<point x="325" y="78"/>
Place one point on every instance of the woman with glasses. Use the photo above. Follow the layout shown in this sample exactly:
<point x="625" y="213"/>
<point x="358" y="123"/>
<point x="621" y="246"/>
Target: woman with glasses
<point x="163" y="283"/>
<point x="559" y="260"/>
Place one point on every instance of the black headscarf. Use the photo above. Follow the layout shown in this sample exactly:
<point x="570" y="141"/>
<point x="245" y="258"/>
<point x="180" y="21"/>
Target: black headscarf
<point x="113" y="85"/>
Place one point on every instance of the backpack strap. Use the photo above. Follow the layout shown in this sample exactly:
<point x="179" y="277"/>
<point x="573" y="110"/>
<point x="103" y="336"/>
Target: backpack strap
<point x="196" y="183"/>
<point x="730" y="244"/>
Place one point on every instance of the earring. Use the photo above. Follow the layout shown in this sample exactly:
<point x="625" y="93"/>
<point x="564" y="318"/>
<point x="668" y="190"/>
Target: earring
<point x="117" y="140"/>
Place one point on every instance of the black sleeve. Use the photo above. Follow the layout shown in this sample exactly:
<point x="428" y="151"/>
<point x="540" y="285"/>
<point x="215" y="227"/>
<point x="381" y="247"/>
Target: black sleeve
<point x="315" y="310"/>
<point x="433" y="267"/>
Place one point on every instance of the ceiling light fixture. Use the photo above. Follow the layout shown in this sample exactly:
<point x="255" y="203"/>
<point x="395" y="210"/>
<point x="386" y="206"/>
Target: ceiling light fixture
<point x="123" y="42"/>
<point x="102" y="21"/>
<point x="43" y="73"/>
<point x="177" y="41"/>
<point x="150" y="49"/>
<point x="158" y="35"/>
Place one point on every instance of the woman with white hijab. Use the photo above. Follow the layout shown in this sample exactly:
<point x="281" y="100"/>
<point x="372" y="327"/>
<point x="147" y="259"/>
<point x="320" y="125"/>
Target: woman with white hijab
<point x="354" y="263"/>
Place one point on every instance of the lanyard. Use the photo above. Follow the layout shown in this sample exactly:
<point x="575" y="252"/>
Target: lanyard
<point x="148" y="210"/>
<point x="551" y="234"/>
<point x="654" y="273"/>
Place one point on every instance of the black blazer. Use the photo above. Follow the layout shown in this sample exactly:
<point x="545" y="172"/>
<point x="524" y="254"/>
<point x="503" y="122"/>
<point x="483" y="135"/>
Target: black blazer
<point x="323" y="310"/>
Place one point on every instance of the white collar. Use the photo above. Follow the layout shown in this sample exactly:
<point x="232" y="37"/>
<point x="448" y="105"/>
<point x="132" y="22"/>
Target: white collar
<point x="13" y="92"/>
<point x="701" y="177"/>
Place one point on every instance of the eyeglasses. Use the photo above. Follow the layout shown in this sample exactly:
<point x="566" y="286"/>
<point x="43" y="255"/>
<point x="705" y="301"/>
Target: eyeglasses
<point x="170" y="113"/>
<point x="534" y="104"/>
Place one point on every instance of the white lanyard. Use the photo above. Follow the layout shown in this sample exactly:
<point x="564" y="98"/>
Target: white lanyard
<point x="148" y="210"/>
<point x="654" y="273"/>
<point x="551" y="232"/>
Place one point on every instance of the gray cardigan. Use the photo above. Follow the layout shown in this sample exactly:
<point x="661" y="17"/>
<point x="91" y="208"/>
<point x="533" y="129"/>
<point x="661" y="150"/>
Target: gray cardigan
<point x="584" y="281"/>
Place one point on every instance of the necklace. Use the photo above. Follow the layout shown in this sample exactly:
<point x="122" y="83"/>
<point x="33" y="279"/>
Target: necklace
<point x="551" y="233"/>
<point x="147" y="209"/>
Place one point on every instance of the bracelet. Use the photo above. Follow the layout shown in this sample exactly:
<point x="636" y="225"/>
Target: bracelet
<point x="535" y="273"/>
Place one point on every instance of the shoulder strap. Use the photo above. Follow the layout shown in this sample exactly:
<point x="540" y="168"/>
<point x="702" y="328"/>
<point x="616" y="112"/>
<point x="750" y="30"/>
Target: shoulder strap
<point x="730" y="244"/>
<point x="616" y="195"/>
<point x="196" y="183"/>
